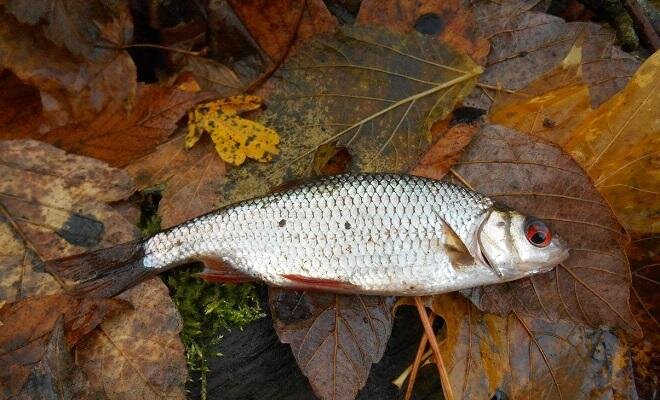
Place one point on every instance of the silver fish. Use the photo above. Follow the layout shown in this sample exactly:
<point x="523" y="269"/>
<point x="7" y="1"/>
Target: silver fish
<point x="380" y="234"/>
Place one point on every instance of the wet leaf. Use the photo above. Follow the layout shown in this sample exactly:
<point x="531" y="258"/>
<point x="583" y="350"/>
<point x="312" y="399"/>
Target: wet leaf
<point x="372" y="92"/>
<point x="192" y="179"/>
<point x="30" y="329"/>
<point x="137" y="354"/>
<point x="53" y="204"/>
<point x="527" y="44"/>
<point x="120" y="137"/>
<point x="616" y="143"/>
<point x="529" y="358"/>
<point x="450" y="22"/>
<point x="334" y="338"/>
<point x="235" y="138"/>
<point x="78" y="81"/>
<point x="536" y="178"/>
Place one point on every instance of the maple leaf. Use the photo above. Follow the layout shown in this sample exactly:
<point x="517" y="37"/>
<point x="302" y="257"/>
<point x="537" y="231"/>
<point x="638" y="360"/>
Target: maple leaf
<point x="235" y="138"/>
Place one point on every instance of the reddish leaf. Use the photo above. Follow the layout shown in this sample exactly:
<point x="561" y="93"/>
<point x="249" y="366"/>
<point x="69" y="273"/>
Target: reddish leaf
<point x="334" y="338"/>
<point x="28" y="327"/>
<point x="451" y="22"/>
<point x="192" y="178"/>
<point x="537" y="178"/>
<point x="74" y="87"/>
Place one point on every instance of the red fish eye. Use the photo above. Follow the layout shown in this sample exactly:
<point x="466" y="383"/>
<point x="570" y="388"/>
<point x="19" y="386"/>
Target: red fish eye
<point x="537" y="232"/>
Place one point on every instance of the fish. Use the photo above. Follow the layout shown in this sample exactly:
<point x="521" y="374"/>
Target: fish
<point x="377" y="234"/>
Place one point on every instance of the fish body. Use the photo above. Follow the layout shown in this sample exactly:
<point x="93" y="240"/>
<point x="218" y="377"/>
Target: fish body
<point x="380" y="234"/>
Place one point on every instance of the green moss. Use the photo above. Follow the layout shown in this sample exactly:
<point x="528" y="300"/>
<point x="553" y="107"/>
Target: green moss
<point x="208" y="309"/>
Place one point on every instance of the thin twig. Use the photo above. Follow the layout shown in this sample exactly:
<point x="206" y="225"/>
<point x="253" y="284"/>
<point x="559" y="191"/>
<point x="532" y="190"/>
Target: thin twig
<point x="417" y="363"/>
<point x="199" y="53"/>
<point x="444" y="377"/>
<point x="637" y="13"/>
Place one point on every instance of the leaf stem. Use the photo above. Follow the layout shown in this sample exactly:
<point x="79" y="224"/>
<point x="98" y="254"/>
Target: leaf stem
<point x="157" y="46"/>
<point x="444" y="377"/>
<point x="417" y="363"/>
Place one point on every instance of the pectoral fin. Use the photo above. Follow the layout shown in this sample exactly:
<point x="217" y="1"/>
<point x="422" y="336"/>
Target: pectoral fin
<point x="455" y="248"/>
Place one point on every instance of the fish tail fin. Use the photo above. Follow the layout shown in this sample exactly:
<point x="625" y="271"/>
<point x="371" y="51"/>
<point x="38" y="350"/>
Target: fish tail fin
<point x="104" y="272"/>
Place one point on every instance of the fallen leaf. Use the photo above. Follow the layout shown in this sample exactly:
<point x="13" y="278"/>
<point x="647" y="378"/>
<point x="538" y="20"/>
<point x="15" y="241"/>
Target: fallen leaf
<point x="450" y="22"/>
<point x="29" y="328"/>
<point x="53" y="204"/>
<point x="192" y="179"/>
<point x="235" y="138"/>
<point x="527" y="44"/>
<point x="334" y="338"/>
<point x="21" y="106"/>
<point x="536" y="178"/>
<point x="644" y="259"/>
<point x="119" y="137"/>
<point x="529" y="358"/>
<point x="273" y="24"/>
<point x="74" y="86"/>
<point x="137" y="354"/>
<point x="616" y="143"/>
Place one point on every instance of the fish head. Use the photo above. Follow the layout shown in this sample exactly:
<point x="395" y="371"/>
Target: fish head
<point x="515" y="245"/>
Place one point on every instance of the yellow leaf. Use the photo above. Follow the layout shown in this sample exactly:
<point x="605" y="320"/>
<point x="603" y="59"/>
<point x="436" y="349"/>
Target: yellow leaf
<point x="618" y="144"/>
<point x="235" y="138"/>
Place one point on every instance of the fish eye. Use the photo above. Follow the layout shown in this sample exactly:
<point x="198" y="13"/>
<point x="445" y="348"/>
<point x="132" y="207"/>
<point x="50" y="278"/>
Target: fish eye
<point x="537" y="232"/>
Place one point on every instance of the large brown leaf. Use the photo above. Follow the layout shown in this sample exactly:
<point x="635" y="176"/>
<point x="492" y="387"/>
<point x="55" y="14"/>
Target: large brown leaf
<point x="529" y="358"/>
<point x="526" y="44"/>
<point x="53" y="204"/>
<point x="334" y="338"/>
<point x="30" y="329"/>
<point x="537" y="178"/>
<point x="120" y="136"/>
<point x="138" y="354"/>
<point x="450" y="22"/>
<point x="77" y="81"/>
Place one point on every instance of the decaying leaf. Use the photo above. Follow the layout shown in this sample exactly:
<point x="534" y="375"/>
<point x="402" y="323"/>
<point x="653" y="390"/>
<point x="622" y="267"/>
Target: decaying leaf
<point x="137" y="354"/>
<point x="77" y="81"/>
<point x="30" y="330"/>
<point x="536" y="178"/>
<point x="529" y="358"/>
<point x="334" y="338"/>
<point x="527" y="44"/>
<point x="450" y="22"/>
<point x="617" y="143"/>
<point x="53" y="204"/>
<point x="119" y="137"/>
<point x="192" y="178"/>
<point x="235" y="138"/>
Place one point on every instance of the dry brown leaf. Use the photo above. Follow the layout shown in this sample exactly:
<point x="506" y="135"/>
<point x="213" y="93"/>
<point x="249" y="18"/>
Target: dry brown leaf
<point x="76" y="86"/>
<point x="334" y="338"/>
<point x="536" y="178"/>
<point x="137" y="354"/>
<point x="617" y="144"/>
<point x="29" y="328"/>
<point x="450" y="22"/>
<point x="274" y="23"/>
<point x="53" y="204"/>
<point x="529" y="358"/>
<point x="192" y="179"/>
<point x="526" y="44"/>
<point x="119" y="137"/>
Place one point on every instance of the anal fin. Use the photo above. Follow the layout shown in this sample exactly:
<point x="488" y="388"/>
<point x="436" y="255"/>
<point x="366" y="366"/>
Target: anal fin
<point x="216" y="270"/>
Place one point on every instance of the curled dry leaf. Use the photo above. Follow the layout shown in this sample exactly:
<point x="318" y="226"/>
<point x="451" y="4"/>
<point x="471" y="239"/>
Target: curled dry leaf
<point x="334" y="338"/>
<point x="30" y="329"/>
<point x="53" y="204"/>
<point x="450" y="22"/>
<point x="536" y="178"/>
<point x="137" y="354"/>
<point x="79" y="80"/>
<point x="617" y="143"/>
<point x="527" y="44"/>
<point x="529" y="358"/>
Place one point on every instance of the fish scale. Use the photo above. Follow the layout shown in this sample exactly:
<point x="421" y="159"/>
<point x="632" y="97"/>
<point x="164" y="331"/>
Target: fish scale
<point x="378" y="233"/>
